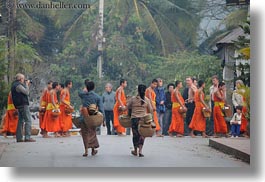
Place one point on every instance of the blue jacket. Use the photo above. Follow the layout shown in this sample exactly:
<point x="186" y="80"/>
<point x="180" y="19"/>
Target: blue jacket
<point x="91" y="98"/>
<point x="160" y="96"/>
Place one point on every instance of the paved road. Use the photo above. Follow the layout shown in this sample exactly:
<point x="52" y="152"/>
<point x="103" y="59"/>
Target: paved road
<point x="114" y="151"/>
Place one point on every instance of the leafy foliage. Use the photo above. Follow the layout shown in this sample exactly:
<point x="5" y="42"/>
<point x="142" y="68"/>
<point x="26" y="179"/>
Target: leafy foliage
<point x="243" y="46"/>
<point x="3" y="71"/>
<point x="144" y="40"/>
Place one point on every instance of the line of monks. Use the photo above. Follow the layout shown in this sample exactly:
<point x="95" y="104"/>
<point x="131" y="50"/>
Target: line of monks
<point x="60" y="123"/>
<point x="53" y="116"/>
<point x="179" y="109"/>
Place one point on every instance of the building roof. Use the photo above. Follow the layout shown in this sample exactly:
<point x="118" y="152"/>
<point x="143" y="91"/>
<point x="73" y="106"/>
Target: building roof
<point x="232" y="36"/>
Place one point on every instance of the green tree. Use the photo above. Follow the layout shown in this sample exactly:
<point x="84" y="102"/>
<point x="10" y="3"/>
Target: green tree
<point x="3" y="72"/>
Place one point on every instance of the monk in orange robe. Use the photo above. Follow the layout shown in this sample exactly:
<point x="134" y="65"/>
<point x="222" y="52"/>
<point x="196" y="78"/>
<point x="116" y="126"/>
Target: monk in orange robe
<point x="151" y="95"/>
<point x="220" y="126"/>
<point x="50" y="122"/>
<point x="66" y="118"/>
<point x="120" y="107"/>
<point x="43" y="105"/>
<point x="177" y="121"/>
<point x="198" y="121"/>
<point x="11" y="118"/>
<point x="244" y="121"/>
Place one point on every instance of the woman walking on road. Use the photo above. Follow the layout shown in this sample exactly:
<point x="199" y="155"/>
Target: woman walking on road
<point x="89" y="134"/>
<point x="138" y="107"/>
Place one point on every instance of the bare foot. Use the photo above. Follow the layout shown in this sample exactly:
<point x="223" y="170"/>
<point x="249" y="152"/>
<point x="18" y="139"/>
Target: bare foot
<point x="170" y="134"/>
<point x="121" y="134"/>
<point x="46" y="136"/>
<point x="179" y="135"/>
<point x="4" y="134"/>
<point x="215" y="136"/>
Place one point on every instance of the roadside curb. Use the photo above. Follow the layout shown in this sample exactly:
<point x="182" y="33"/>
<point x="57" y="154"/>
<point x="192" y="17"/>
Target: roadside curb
<point x="238" y="148"/>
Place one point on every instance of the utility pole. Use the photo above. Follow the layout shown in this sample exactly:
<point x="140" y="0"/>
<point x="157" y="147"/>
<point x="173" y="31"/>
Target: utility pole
<point x="12" y="38"/>
<point x="100" y="38"/>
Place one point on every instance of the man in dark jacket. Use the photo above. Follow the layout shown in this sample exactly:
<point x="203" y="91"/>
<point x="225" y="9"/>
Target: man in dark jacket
<point x="20" y="93"/>
<point x="168" y="104"/>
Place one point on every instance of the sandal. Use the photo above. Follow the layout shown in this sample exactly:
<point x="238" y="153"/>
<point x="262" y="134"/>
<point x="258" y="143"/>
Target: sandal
<point x="159" y="135"/>
<point x="134" y="153"/>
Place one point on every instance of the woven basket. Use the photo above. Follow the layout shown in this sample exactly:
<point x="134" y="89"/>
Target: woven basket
<point x="35" y="131"/>
<point x="69" y="110"/>
<point x="153" y="125"/>
<point x="182" y="110"/>
<point x="146" y="132"/>
<point x="76" y="122"/>
<point x="92" y="109"/>
<point x="206" y="113"/>
<point x="55" y="113"/>
<point x="94" y="120"/>
<point x="227" y="110"/>
<point x="147" y="119"/>
<point x="125" y="121"/>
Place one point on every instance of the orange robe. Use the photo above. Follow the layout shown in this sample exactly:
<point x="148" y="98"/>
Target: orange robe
<point x="244" y="121"/>
<point x="177" y="121"/>
<point x="198" y="121"/>
<point x="43" y="103"/>
<point x="117" y="113"/>
<point x="50" y="123"/>
<point x="65" y="119"/>
<point x="218" y="116"/>
<point x="153" y="102"/>
<point x="11" y="120"/>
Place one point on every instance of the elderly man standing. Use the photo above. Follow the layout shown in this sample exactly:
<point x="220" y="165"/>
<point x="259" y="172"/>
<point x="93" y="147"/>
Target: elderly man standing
<point x="108" y="102"/>
<point x="20" y="93"/>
